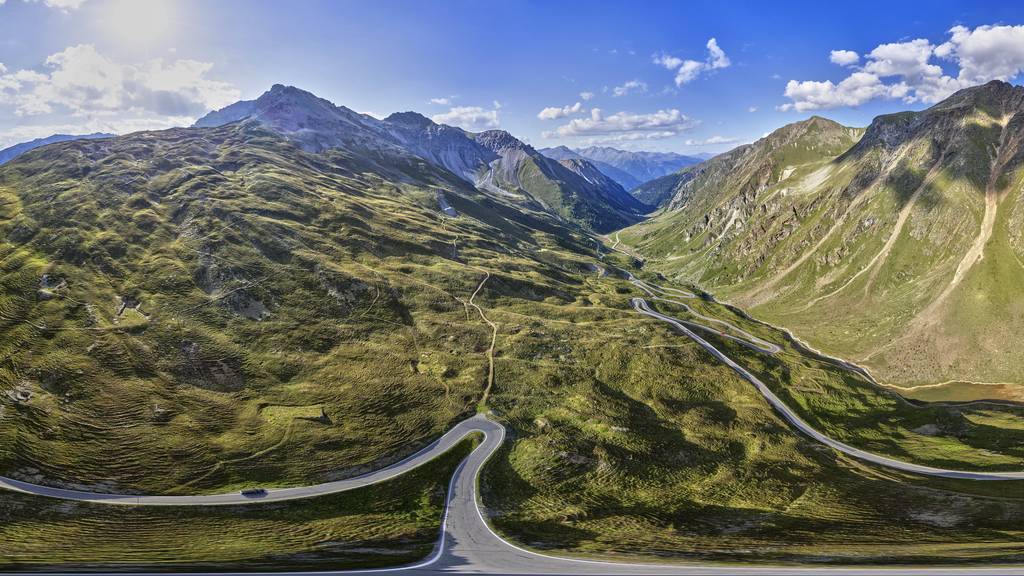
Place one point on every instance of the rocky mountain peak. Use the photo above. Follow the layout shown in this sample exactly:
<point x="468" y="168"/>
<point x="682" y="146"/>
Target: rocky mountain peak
<point x="314" y="123"/>
<point x="815" y="125"/>
<point x="560" y="153"/>
<point x="995" y="99"/>
<point x="500" y="140"/>
<point x="997" y="94"/>
<point x="288" y="106"/>
<point x="409" y="119"/>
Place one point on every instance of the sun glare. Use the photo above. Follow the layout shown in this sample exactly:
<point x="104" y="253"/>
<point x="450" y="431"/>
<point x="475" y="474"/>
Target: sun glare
<point x="140" y="24"/>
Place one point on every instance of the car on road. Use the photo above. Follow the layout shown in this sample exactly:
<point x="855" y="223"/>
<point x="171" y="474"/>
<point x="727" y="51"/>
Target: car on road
<point x="254" y="492"/>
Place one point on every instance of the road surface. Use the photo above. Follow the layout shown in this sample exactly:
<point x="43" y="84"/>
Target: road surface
<point x="745" y="338"/>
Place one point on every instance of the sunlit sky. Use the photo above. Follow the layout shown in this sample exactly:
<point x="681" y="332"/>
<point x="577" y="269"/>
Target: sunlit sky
<point x="682" y="76"/>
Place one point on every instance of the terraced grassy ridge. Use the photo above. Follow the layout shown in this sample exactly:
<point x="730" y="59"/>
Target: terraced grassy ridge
<point x="897" y="250"/>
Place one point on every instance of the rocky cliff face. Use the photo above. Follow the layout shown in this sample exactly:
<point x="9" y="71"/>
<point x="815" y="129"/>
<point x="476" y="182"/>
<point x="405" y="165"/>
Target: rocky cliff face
<point x="446" y="146"/>
<point x="315" y="124"/>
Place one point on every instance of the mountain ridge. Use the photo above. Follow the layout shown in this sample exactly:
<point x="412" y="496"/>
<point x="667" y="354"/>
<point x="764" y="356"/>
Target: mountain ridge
<point x="493" y="160"/>
<point x="12" y="152"/>
<point x="630" y="169"/>
<point x="915" y="223"/>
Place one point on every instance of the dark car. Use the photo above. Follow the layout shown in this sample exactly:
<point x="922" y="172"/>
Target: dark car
<point x="254" y="492"/>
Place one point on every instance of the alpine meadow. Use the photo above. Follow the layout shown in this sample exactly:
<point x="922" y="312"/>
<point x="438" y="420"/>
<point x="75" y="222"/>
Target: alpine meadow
<point x="521" y="288"/>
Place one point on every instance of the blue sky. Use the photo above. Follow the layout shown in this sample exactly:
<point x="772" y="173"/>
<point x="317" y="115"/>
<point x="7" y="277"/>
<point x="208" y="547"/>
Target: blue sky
<point x="681" y="76"/>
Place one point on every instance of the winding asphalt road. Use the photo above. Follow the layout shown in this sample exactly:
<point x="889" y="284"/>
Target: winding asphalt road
<point x="467" y="544"/>
<point x="745" y="338"/>
<point x="641" y="305"/>
<point x="428" y="453"/>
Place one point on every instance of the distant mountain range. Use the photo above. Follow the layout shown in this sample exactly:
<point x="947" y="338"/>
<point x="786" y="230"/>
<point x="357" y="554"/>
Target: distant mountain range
<point x="493" y="160"/>
<point x="629" y="169"/>
<point x="588" y="185"/>
<point x="8" y="154"/>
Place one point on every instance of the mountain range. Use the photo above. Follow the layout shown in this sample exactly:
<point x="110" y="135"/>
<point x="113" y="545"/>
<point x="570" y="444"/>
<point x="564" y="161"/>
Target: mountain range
<point x="493" y="160"/>
<point x="806" y="223"/>
<point x="898" y="246"/>
<point x="813" y="219"/>
<point x="191" y="294"/>
<point x="629" y="169"/>
<point x="12" y="152"/>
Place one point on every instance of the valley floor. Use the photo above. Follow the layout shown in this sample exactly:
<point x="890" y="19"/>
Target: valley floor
<point x="464" y="524"/>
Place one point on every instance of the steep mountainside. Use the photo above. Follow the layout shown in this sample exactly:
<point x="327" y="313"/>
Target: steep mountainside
<point x="8" y="154"/>
<point x="441" y="145"/>
<point x="903" y="252"/>
<point x="576" y="191"/>
<point x="492" y="160"/>
<point x="660" y="190"/>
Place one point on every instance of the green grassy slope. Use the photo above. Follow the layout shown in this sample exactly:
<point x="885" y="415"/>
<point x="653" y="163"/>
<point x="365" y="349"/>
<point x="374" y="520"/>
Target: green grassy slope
<point x="881" y="254"/>
<point x="221" y="307"/>
<point x="632" y="442"/>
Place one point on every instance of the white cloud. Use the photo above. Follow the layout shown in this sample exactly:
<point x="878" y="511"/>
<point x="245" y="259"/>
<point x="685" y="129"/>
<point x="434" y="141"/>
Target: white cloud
<point x="716" y="56"/>
<point x="633" y="86"/>
<point x="855" y="90"/>
<point x="712" y="141"/>
<point x="689" y="70"/>
<point x="844" y="57"/>
<point x="586" y="96"/>
<point x="752" y="109"/>
<point x="470" y="117"/>
<point x="624" y="126"/>
<point x="443" y="101"/>
<point x="64" y="5"/>
<point x="985" y="53"/>
<point x="907" y="59"/>
<point x="82" y="81"/>
<point x="982" y="54"/>
<point x="554" y="112"/>
<point x="669" y="62"/>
